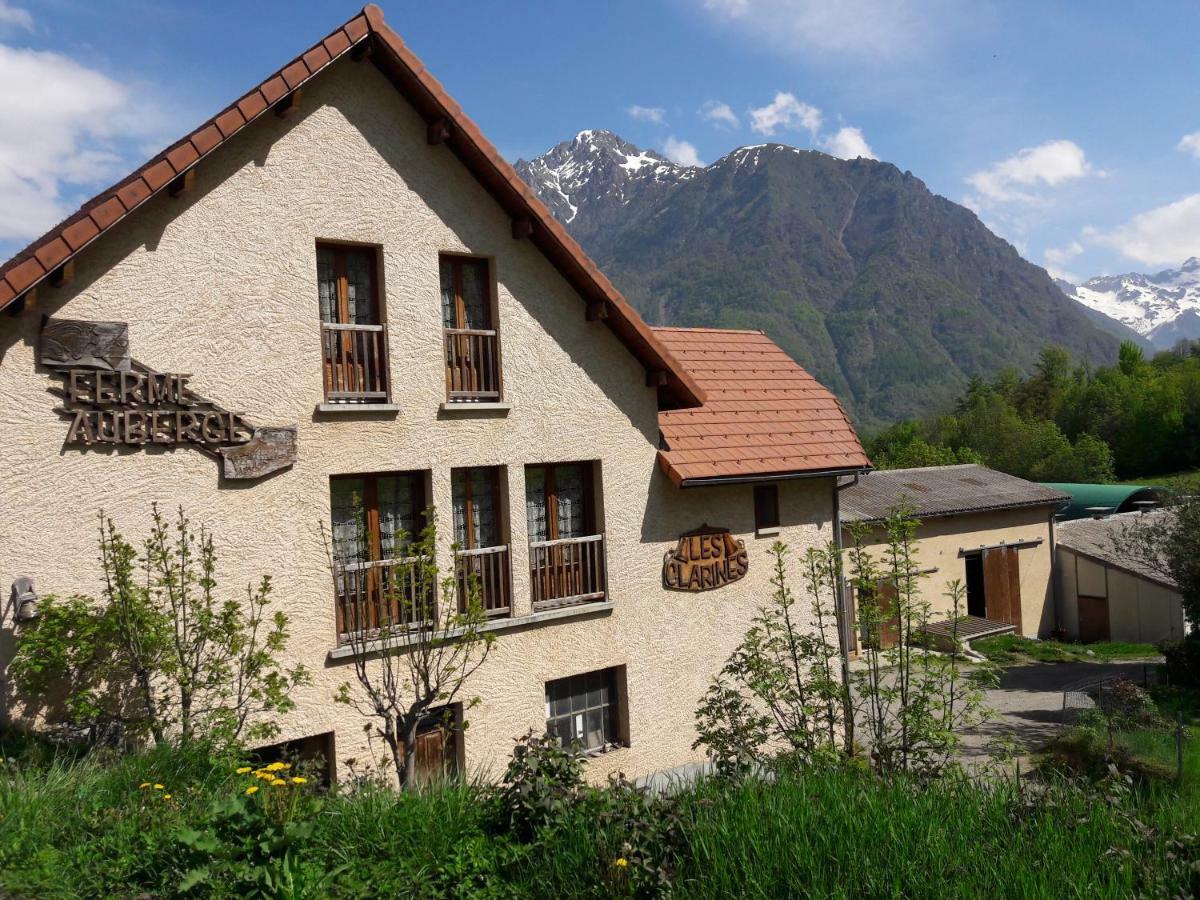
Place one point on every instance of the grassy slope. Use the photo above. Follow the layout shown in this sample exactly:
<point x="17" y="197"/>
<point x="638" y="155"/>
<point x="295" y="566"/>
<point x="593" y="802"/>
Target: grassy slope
<point x="87" y="830"/>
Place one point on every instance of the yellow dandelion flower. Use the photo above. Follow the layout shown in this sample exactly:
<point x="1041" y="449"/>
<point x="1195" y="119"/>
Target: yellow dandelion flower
<point x="253" y="789"/>
<point x="278" y="782"/>
<point x="166" y="796"/>
<point x="299" y="780"/>
<point x="276" y="767"/>
<point x="620" y="862"/>
<point x="143" y="785"/>
<point x="243" y="770"/>
<point x="158" y="787"/>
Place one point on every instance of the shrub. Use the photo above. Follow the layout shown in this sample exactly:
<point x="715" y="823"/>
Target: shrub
<point x="543" y="781"/>
<point x="1182" y="661"/>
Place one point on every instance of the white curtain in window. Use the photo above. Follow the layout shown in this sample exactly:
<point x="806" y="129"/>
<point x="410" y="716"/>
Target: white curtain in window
<point x="327" y="285"/>
<point x="535" y="504"/>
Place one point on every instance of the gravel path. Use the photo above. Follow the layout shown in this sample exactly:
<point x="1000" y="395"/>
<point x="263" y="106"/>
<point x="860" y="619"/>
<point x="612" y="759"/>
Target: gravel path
<point x="1029" y="704"/>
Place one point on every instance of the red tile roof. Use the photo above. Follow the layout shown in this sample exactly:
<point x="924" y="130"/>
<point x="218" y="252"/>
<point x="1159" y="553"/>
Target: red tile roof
<point x="402" y="67"/>
<point x="763" y="416"/>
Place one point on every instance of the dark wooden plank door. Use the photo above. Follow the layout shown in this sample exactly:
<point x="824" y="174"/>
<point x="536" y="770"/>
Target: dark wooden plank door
<point x="883" y="598"/>
<point x="1093" y="619"/>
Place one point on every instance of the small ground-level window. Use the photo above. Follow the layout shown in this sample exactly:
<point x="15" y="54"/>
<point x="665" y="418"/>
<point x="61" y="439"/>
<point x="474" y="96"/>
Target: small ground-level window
<point x="310" y="757"/>
<point x="587" y="710"/>
<point x="766" y="509"/>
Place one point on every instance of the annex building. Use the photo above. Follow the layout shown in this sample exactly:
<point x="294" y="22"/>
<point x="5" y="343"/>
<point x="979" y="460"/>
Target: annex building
<point x="337" y="288"/>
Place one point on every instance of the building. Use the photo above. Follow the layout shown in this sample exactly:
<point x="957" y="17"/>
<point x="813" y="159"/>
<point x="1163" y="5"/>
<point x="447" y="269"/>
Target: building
<point x="991" y="531"/>
<point x="1089" y="499"/>
<point x="371" y="304"/>
<point x="1107" y="595"/>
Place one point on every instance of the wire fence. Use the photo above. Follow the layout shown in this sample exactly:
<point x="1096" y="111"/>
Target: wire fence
<point x="1119" y="704"/>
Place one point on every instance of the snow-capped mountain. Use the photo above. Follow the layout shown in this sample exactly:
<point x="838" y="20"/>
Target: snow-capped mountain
<point x="1162" y="308"/>
<point x="595" y="174"/>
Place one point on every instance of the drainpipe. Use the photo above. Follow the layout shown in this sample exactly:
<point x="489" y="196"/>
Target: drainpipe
<point x="840" y="590"/>
<point x="1055" y="586"/>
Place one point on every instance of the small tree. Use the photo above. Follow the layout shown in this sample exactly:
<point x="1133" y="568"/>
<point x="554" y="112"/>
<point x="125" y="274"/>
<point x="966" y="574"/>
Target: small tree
<point x="788" y="686"/>
<point x="160" y="655"/>
<point x="781" y="687"/>
<point x="416" y="638"/>
<point x="914" y="699"/>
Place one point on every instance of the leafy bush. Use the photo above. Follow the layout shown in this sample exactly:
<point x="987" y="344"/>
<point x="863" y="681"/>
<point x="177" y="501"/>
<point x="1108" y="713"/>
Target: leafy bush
<point x="1182" y="660"/>
<point x="543" y="781"/>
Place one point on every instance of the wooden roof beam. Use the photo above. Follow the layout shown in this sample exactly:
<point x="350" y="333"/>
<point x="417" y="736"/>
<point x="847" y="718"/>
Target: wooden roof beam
<point x="597" y="310"/>
<point x="438" y="132"/>
<point x="288" y="104"/>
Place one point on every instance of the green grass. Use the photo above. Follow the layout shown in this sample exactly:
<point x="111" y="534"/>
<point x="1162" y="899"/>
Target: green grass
<point x="81" y="828"/>
<point x="1011" y="649"/>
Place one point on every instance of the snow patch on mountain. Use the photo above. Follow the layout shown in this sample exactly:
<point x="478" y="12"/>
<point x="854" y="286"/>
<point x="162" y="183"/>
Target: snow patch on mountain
<point x="1162" y="307"/>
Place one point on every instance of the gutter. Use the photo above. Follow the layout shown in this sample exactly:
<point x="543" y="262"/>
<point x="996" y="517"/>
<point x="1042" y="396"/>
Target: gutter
<point x="787" y="476"/>
<point x="840" y="595"/>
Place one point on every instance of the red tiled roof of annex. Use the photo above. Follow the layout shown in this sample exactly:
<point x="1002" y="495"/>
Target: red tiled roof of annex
<point x="366" y="34"/>
<point x="763" y="415"/>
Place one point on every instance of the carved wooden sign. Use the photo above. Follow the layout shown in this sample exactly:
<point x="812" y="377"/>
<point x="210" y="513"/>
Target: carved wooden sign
<point x="112" y="399"/>
<point x="705" y="559"/>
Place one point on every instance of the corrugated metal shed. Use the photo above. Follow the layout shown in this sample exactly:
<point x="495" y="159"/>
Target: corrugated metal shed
<point x="942" y="491"/>
<point x="1113" y="498"/>
<point x="1094" y="538"/>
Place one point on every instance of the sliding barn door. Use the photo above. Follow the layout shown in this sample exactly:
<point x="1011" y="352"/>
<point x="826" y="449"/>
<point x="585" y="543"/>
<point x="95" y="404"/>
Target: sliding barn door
<point x="1002" y="585"/>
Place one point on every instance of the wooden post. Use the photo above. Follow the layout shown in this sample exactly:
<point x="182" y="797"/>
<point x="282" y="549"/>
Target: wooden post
<point x="1179" y="746"/>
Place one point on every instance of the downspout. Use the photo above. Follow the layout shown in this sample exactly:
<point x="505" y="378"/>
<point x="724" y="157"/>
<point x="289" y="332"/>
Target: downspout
<point x="844" y="626"/>
<point x="1055" y="587"/>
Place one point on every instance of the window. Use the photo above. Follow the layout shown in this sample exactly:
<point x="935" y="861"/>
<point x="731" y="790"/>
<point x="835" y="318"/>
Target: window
<point x="471" y="342"/>
<point x="766" y="509"/>
<point x="482" y="562"/>
<point x="566" y="554"/>
<point x="375" y="518"/>
<point x="353" y="337"/>
<point x="586" y="709"/>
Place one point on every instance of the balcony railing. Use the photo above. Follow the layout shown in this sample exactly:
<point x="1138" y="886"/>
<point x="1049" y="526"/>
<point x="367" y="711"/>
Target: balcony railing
<point x="384" y="596"/>
<point x="472" y="364"/>
<point x="566" y="571"/>
<point x="356" y="368"/>
<point x="486" y="570"/>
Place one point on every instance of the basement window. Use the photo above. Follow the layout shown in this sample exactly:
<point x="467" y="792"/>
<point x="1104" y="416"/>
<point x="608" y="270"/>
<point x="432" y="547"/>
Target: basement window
<point x="585" y="711"/>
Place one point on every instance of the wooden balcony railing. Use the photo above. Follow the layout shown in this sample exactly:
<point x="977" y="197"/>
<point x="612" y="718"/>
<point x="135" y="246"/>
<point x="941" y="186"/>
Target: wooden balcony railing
<point x="356" y="369"/>
<point x="472" y="364"/>
<point x="486" y="570"/>
<point x="571" y="570"/>
<point x="384" y="596"/>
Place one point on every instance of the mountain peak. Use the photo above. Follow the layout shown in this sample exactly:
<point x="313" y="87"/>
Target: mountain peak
<point x="596" y="172"/>
<point x="1162" y="307"/>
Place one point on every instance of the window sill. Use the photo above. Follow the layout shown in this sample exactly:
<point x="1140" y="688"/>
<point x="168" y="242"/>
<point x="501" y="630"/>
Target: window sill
<point x="350" y="409"/>
<point x="767" y="532"/>
<point x="468" y="407"/>
<point x="346" y="651"/>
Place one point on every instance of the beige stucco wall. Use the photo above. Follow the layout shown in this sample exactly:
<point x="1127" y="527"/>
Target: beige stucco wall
<point x="941" y="538"/>
<point x="221" y="284"/>
<point x="1139" y="610"/>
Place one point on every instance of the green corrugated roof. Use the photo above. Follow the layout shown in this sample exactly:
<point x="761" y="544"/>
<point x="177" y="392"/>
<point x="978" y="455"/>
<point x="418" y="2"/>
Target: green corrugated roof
<point x="1113" y="497"/>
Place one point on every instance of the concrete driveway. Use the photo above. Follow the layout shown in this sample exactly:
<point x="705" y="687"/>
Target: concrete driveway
<point x="1029" y="704"/>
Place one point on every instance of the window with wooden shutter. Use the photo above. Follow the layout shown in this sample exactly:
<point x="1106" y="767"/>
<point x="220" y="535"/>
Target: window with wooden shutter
<point x="471" y="339"/>
<point x="353" y="335"/>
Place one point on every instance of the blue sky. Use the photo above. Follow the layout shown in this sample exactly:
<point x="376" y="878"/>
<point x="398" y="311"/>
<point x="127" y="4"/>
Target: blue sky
<point x="1073" y="129"/>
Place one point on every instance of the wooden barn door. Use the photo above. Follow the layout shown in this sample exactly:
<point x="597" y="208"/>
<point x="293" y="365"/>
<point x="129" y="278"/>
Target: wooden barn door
<point x="883" y="598"/>
<point x="1093" y="619"/>
<point x="1002" y="585"/>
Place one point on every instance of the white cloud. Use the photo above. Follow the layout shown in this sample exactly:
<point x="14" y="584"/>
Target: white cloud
<point x="1164" y="236"/>
<point x="785" y="112"/>
<point x="65" y="131"/>
<point x="647" y="113"/>
<point x="1046" y="165"/>
<point x="719" y="114"/>
<point x="681" y="152"/>
<point x="1190" y="143"/>
<point x="847" y="143"/>
<point x="15" y="16"/>
<point x="1058" y="257"/>
<point x="873" y="30"/>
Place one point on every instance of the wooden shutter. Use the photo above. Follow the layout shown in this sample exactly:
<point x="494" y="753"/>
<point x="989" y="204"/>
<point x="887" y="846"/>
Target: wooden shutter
<point x="1002" y="585"/>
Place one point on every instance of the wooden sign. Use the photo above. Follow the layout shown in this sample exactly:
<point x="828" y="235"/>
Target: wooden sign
<point x="113" y="399"/>
<point x="705" y="559"/>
